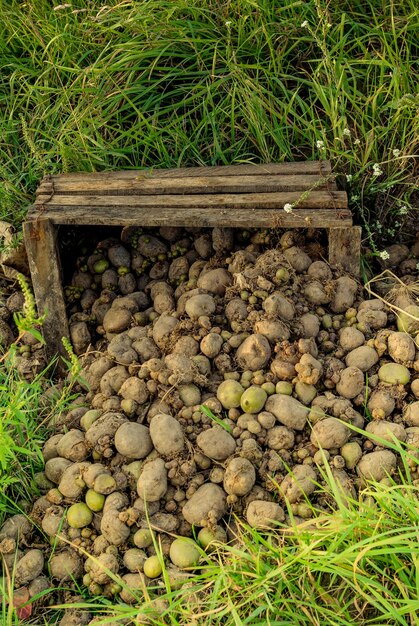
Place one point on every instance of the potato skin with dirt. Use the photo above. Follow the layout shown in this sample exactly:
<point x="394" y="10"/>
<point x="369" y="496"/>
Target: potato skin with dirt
<point x="376" y="465"/>
<point x="254" y="353"/>
<point x="29" y="567"/>
<point x="264" y="515"/>
<point x="167" y="435"/>
<point x="152" y="483"/>
<point x="133" y="440"/>
<point x="330" y="433"/>
<point x="287" y="410"/>
<point x="207" y="504"/>
<point x="216" y="443"/>
<point x="239" y="477"/>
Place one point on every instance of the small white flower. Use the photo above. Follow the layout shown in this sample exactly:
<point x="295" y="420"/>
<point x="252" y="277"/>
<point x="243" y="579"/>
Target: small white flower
<point x="357" y="142"/>
<point x="346" y="132"/>
<point x="384" y="255"/>
<point x="417" y="266"/>
<point x="320" y="144"/>
<point x="378" y="226"/>
<point x="349" y="177"/>
<point x="376" y="170"/>
<point x="288" y="208"/>
<point x="304" y="24"/>
<point x="403" y="210"/>
<point x="354" y="198"/>
<point x="396" y="152"/>
<point x="228" y="23"/>
<point x="59" y="7"/>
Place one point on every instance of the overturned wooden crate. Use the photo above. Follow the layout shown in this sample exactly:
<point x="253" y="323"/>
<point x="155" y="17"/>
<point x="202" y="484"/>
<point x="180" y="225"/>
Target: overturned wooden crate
<point x="244" y="196"/>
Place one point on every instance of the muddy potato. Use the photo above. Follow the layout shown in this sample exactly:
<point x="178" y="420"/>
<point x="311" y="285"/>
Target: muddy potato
<point x="29" y="567"/>
<point x="351" y="452"/>
<point x="184" y="553"/>
<point x="208" y="537"/>
<point x="92" y="471"/>
<point x="351" y="382"/>
<point x="280" y="438"/>
<point x="89" y="418"/>
<point x="55" y="467"/>
<point x="277" y="305"/>
<point x="264" y="515"/>
<point x="215" y="281"/>
<point x="329" y="433"/>
<point x="363" y="357"/>
<point x="111" y="527"/>
<point x="72" y="483"/>
<point x="345" y="292"/>
<point x="320" y="270"/>
<point x="316" y="293"/>
<point x="411" y="414"/>
<point x="299" y="484"/>
<point x="309" y="369"/>
<point x="236" y="310"/>
<point x="273" y="330"/>
<point x="133" y="587"/>
<point x="120" y="348"/>
<point x="106" y="425"/>
<point x="287" y="410"/>
<point x="371" y="319"/>
<point x="351" y="338"/>
<point x="134" y="559"/>
<point x="133" y="440"/>
<point x="167" y="435"/>
<point x="222" y="239"/>
<point x="80" y="337"/>
<point x="49" y="450"/>
<point x="146" y="349"/>
<point x="100" y="564"/>
<point x="66" y="565"/>
<point x="381" y="403"/>
<point x="389" y="431"/>
<point x="239" y="477"/>
<point x="376" y="465"/>
<point x="54" y="521"/>
<point x="211" y="345"/>
<point x="190" y="395"/>
<point x="96" y="370"/>
<point x="72" y="446"/>
<point x="152" y="483"/>
<point x="408" y="321"/>
<point x="297" y="258"/>
<point x="15" y="527"/>
<point x="200" y="305"/>
<point x="76" y="617"/>
<point x="254" y="353"/>
<point x="181" y="366"/>
<point x="401" y="347"/>
<point x="39" y="585"/>
<point x="207" y="504"/>
<point x="216" y="443"/>
<point x="116" y="320"/>
<point x="134" y="389"/>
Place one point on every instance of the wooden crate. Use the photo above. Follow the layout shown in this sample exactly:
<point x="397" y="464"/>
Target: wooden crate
<point x="241" y="196"/>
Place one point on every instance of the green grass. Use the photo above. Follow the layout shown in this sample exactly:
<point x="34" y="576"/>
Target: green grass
<point x="193" y="82"/>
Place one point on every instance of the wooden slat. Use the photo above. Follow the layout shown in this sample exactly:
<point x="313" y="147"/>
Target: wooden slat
<point x="345" y="248"/>
<point x="199" y="184"/>
<point x="319" y="168"/>
<point x="203" y="217"/>
<point x="315" y="200"/>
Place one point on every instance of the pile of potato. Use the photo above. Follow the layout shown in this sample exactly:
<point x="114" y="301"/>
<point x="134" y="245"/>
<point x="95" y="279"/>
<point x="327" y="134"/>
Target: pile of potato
<point x="222" y="369"/>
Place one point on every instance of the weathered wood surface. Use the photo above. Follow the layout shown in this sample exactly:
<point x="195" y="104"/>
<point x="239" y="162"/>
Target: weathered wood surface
<point x="345" y="248"/>
<point x="161" y="216"/>
<point x="319" y="168"/>
<point x="194" y="185"/>
<point x="45" y="266"/>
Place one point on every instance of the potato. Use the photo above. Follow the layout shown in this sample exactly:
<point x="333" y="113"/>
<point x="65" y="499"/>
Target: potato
<point x="116" y="320"/>
<point x="189" y="394"/>
<point x="134" y="559"/>
<point x="133" y="440"/>
<point x="310" y="325"/>
<point x="76" y="617"/>
<point x="315" y="293"/>
<point x="351" y="452"/>
<point x="167" y="435"/>
<point x="345" y="292"/>
<point x="39" y="585"/>
<point x="389" y="431"/>
<point x="363" y="357"/>
<point x="381" y="403"/>
<point x="92" y="471"/>
<point x="208" y="504"/>
<point x="320" y="270"/>
<point x="216" y="443"/>
<point x="79" y="515"/>
<point x="203" y="246"/>
<point x="376" y="465"/>
<point x="199" y="305"/>
<point x="100" y="564"/>
<point x="351" y="382"/>
<point x="408" y="321"/>
<point x="94" y="500"/>
<point x="253" y="399"/>
<point x="236" y="310"/>
<point x="96" y="370"/>
<point x="239" y="477"/>
<point x="111" y="527"/>
<point x="72" y="446"/>
<point x="277" y="305"/>
<point x="80" y="337"/>
<point x="152" y="483"/>
<point x="120" y="348"/>
<point x="29" y="567"/>
<point x="401" y="347"/>
<point x="153" y="567"/>
<point x="329" y="433"/>
<point x="371" y="319"/>
<point x="309" y="369"/>
<point x="133" y="587"/>
<point x="134" y="389"/>
<point x="287" y="410"/>
<point x="229" y="393"/>
<point x="299" y="484"/>
<point x="106" y="425"/>
<point x="222" y="239"/>
<point x="280" y="438"/>
<point x="184" y="553"/>
<point x="263" y="515"/>
<point x="254" y="353"/>
<point x="394" y="374"/>
<point x="119" y="256"/>
<point x="411" y="414"/>
<point x="49" y="450"/>
<point x="351" y="338"/>
<point x="297" y="258"/>
<point x="211" y="345"/>
<point x="181" y="366"/>
<point x="273" y="330"/>
<point x="71" y="483"/>
<point x="55" y="467"/>
<point x="89" y="418"/>
<point x="112" y="380"/>
<point x="54" y="521"/>
<point x="146" y="349"/>
<point x="66" y="565"/>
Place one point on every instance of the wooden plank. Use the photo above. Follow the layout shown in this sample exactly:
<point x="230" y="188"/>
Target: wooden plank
<point x="45" y="267"/>
<point x="320" y="168"/>
<point x="199" y="217"/>
<point x="199" y="184"/>
<point x="315" y="200"/>
<point x="345" y="248"/>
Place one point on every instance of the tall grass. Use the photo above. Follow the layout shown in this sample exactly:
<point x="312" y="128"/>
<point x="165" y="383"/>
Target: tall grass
<point x="158" y="83"/>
